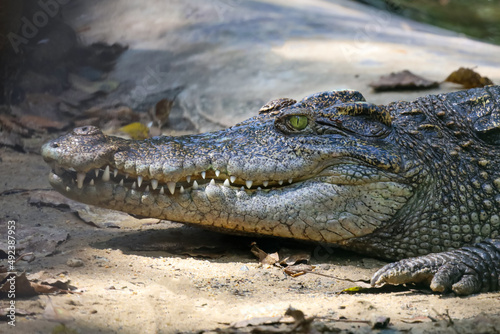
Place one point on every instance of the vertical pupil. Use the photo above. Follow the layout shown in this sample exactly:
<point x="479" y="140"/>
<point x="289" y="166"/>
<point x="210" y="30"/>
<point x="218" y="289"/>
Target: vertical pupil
<point x="298" y="122"/>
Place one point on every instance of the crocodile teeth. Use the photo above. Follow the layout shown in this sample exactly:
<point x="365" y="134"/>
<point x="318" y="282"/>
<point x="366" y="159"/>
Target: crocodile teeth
<point x="195" y="185"/>
<point x="91" y="182"/>
<point x="280" y="182"/>
<point x="203" y="174"/>
<point x="217" y="173"/>
<point x="115" y="172"/>
<point x="265" y="183"/>
<point x="171" y="187"/>
<point x="181" y="189"/>
<point x="188" y="179"/>
<point x="126" y="176"/>
<point x="212" y="182"/>
<point x="139" y="181"/>
<point x="259" y="188"/>
<point x="154" y="184"/>
<point x="232" y="178"/>
<point x="147" y="189"/>
<point x="290" y="181"/>
<point x="121" y="183"/>
<point x="105" y="176"/>
<point x="226" y="183"/>
<point x="248" y="184"/>
<point x="96" y="171"/>
<point x="162" y="191"/>
<point x="134" y="185"/>
<point x="68" y="188"/>
<point x="80" y="177"/>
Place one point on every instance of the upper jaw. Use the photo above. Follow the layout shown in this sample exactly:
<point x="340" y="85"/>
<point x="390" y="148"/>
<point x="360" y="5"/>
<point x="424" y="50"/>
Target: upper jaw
<point x="81" y="177"/>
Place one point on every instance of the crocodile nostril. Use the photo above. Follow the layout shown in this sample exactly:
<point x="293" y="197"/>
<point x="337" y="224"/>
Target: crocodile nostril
<point x="54" y="145"/>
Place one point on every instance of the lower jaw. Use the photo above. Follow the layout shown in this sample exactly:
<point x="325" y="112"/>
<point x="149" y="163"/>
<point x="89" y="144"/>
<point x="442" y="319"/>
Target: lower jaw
<point x="151" y="202"/>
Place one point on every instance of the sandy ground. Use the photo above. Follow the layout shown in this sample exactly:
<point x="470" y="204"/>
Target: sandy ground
<point x="144" y="276"/>
<point x="124" y="289"/>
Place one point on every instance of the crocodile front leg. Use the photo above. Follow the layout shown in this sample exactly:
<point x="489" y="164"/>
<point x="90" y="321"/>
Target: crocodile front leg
<point x="465" y="271"/>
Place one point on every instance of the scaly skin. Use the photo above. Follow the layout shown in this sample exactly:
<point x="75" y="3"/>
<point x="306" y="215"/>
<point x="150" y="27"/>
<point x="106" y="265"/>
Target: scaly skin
<point x="398" y="181"/>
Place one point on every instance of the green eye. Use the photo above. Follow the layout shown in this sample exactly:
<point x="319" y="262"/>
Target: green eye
<point x="298" y="122"/>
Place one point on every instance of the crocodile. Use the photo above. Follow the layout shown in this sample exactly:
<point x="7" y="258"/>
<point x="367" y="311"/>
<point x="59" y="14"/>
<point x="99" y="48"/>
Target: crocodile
<point x="416" y="182"/>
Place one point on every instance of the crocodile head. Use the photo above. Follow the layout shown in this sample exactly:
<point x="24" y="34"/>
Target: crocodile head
<point x="329" y="168"/>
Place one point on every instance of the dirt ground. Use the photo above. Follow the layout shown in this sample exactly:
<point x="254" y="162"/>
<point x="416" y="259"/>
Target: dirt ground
<point x="128" y="275"/>
<point x="124" y="288"/>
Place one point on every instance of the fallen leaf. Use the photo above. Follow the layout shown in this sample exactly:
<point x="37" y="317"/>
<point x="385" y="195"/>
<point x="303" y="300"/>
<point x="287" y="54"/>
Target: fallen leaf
<point x="264" y="258"/>
<point x="404" y="80"/>
<point x="53" y="199"/>
<point x="353" y="289"/>
<point x="22" y="285"/>
<point x="468" y="78"/>
<point x="161" y="111"/>
<point x="46" y="278"/>
<point x="291" y="257"/>
<point x="40" y="240"/>
<point x="137" y="130"/>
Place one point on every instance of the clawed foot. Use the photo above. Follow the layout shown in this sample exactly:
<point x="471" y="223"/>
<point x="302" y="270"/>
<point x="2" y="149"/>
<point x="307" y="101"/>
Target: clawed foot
<point x="464" y="271"/>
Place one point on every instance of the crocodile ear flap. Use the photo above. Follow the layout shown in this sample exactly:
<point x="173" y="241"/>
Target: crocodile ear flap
<point x="366" y="109"/>
<point x="488" y="128"/>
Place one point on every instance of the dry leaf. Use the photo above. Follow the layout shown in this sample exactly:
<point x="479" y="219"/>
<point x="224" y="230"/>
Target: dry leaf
<point x="137" y="131"/>
<point x="161" y="111"/>
<point x="264" y="258"/>
<point x="404" y="80"/>
<point x="22" y="285"/>
<point x="468" y="78"/>
<point x="291" y="257"/>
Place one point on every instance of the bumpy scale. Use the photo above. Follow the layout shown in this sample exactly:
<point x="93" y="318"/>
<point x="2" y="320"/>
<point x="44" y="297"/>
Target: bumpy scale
<point x="411" y="179"/>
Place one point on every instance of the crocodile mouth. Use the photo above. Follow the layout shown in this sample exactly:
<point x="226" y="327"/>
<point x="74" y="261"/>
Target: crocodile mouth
<point x="343" y="173"/>
<point x="73" y="180"/>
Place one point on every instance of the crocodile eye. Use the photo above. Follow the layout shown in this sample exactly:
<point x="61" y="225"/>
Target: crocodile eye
<point x="298" y="122"/>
